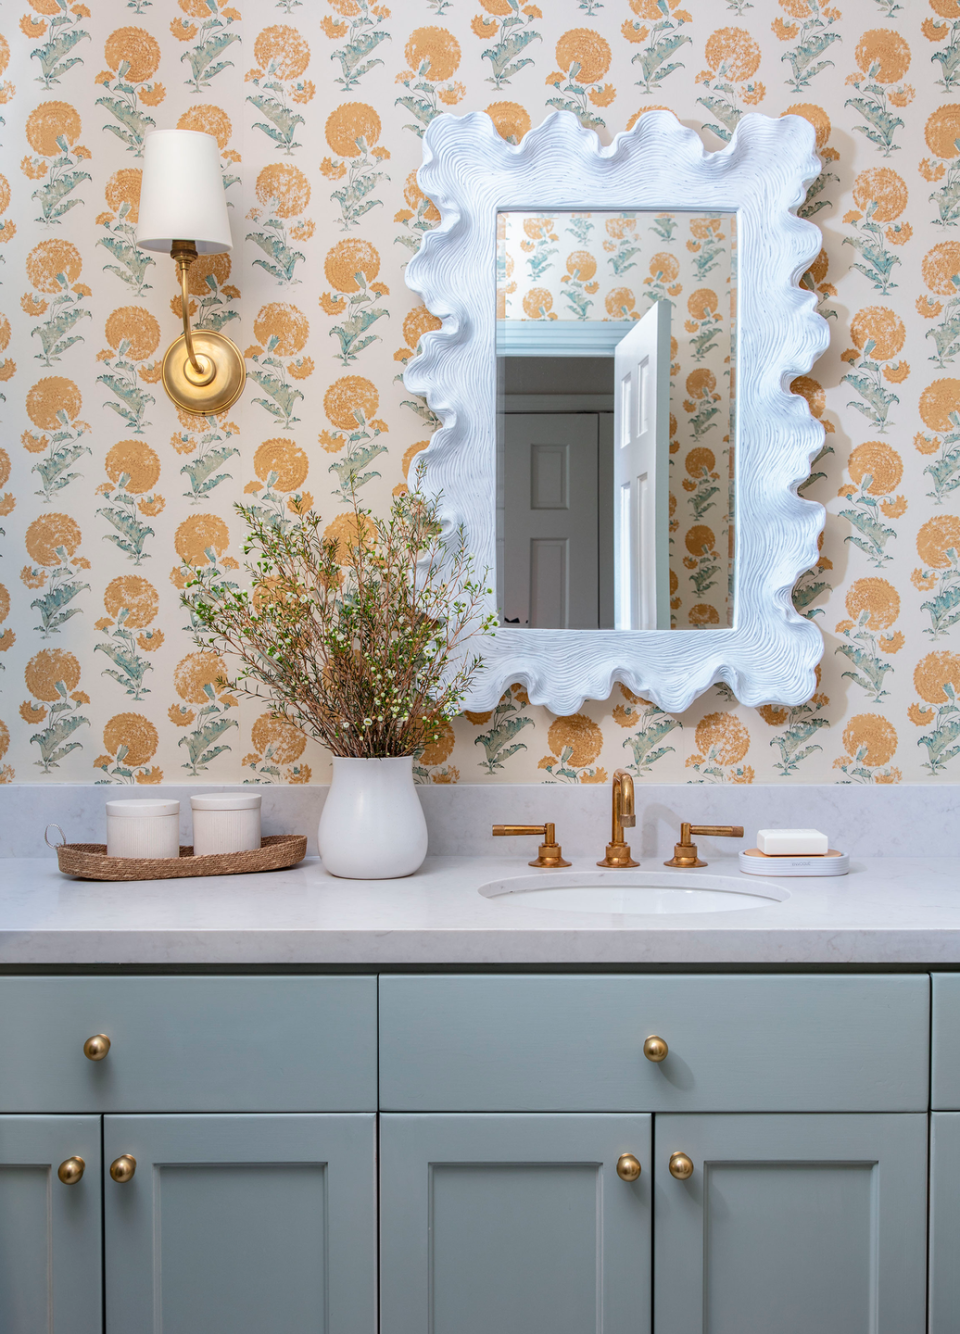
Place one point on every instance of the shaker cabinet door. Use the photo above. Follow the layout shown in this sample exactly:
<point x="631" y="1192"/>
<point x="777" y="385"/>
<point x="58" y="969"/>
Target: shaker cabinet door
<point x="514" y="1224"/>
<point x="945" y="1223"/>
<point x="50" y="1243"/>
<point x="791" y="1223"/>
<point x="241" y="1224"/>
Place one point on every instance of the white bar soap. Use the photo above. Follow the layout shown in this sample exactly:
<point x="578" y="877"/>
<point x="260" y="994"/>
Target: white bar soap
<point x="792" y="842"/>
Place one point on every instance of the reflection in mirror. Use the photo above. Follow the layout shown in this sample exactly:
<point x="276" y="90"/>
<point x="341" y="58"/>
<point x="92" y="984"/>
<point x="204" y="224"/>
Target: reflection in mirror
<point x="616" y="347"/>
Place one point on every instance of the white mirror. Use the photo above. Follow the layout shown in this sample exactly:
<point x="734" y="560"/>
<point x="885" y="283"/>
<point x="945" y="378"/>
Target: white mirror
<point x="616" y="359"/>
<point x="620" y="329"/>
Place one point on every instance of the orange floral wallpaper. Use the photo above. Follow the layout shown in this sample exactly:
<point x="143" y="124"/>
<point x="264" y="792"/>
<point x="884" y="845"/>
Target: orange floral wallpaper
<point x="319" y="107"/>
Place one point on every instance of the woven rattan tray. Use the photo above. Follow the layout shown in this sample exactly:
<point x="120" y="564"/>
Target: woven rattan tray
<point x="90" y="861"/>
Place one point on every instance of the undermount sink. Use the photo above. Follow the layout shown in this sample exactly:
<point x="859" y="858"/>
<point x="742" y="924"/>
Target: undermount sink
<point x="635" y="893"/>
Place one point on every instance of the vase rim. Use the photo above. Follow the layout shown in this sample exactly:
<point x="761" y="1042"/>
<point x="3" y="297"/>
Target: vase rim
<point x="379" y="759"/>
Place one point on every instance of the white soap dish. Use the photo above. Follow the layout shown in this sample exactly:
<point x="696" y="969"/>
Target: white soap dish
<point x="755" y="862"/>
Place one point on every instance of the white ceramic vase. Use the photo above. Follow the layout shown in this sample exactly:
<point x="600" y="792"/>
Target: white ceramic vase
<point x="372" y="825"/>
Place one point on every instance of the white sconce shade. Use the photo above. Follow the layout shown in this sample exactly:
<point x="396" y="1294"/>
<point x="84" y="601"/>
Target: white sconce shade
<point x="181" y="194"/>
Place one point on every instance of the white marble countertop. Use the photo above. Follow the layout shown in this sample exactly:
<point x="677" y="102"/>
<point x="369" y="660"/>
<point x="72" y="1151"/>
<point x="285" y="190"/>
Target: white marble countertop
<point x="886" y="911"/>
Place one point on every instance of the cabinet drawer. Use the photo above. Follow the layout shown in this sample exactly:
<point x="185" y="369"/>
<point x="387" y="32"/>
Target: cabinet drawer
<point x="945" y="1066"/>
<point x="736" y="1043"/>
<point x="189" y="1044"/>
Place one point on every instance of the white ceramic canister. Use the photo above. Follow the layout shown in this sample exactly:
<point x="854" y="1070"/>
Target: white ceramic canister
<point x="372" y="825"/>
<point x="143" y="828"/>
<point x="226" y="822"/>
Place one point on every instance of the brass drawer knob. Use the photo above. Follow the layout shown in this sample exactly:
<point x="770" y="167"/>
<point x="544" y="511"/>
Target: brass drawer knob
<point x="123" y="1168"/>
<point x="655" y="1049"/>
<point x="96" y="1048"/>
<point x="681" y="1166"/>
<point x="628" y="1167"/>
<point x="71" y="1171"/>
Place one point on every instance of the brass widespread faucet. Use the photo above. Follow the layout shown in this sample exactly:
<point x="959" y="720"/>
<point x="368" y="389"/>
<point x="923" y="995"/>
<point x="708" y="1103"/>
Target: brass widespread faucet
<point x="618" y="851"/>
<point x="685" y="852"/>
<point x="550" y="856"/>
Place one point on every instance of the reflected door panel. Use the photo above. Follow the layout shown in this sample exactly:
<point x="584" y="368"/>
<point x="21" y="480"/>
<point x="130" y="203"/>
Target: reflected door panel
<point x="640" y="473"/>
<point x="551" y="526"/>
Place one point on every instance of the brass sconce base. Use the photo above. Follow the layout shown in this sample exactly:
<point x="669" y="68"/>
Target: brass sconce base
<point x="220" y="381"/>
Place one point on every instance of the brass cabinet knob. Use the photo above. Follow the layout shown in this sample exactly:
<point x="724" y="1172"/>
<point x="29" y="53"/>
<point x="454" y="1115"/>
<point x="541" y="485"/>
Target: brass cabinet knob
<point x="681" y="1166"/>
<point x="71" y="1171"/>
<point x="96" y="1048"/>
<point x="628" y="1167"/>
<point x="655" y="1049"/>
<point x="123" y="1168"/>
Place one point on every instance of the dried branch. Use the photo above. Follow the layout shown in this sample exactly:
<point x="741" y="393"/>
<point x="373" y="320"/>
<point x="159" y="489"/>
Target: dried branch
<point x="358" y="642"/>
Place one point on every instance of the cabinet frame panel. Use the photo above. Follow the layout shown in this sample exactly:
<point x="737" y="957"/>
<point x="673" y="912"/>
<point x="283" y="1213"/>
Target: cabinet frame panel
<point x="412" y="1146"/>
<point x="893" y="1145"/>
<point x="73" y="1271"/>
<point x="344" y="1144"/>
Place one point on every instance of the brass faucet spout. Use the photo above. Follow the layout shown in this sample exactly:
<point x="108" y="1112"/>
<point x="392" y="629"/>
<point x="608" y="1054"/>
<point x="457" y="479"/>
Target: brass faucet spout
<point x="623" y="812"/>
<point x="623" y="783"/>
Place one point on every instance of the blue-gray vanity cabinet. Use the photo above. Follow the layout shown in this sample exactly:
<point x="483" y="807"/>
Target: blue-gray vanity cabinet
<point x="49" y="1231"/>
<point x="945" y="1223"/>
<point x="791" y="1223"/>
<point x="514" y="1224"/>
<point x="189" y="1044"/>
<point x="575" y="1043"/>
<point x="945" y="1043"/>
<point x="241" y="1225"/>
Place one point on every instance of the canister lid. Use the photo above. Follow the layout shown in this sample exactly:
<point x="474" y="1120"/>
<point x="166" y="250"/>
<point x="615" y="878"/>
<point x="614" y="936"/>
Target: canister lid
<point x="227" y="801"/>
<point x="137" y="809"/>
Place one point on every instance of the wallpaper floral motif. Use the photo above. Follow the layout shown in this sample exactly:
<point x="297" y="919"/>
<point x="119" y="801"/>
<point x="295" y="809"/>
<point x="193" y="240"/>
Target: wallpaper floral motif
<point x="319" y="107"/>
<point x="615" y="266"/>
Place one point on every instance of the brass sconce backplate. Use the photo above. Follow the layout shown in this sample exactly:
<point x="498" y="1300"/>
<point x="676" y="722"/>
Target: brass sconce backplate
<point x="222" y="379"/>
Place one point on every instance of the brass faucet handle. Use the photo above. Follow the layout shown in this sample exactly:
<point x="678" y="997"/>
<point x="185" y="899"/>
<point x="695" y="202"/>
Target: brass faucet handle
<point x="685" y="852"/>
<point x="550" y="852"/>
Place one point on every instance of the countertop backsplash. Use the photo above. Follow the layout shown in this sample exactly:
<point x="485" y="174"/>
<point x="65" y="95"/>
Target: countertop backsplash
<point x="911" y="820"/>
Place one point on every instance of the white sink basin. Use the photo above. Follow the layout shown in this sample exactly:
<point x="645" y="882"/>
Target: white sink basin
<point x="635" y="893"/>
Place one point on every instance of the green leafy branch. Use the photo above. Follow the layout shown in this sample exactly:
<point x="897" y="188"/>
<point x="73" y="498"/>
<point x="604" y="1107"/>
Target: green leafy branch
<point x="132" y="263"/>
<point x="362" y="39"/>
<point x="61" y="179"/>
<point x="506" y="722"/>
<point x="362" y="642"/>
<point x="514" y="35"/>
<point x="63" y="311"/>
<point x="64" y="719"/>
<point x="54" y="56"/>
<point x="54" y="604"/>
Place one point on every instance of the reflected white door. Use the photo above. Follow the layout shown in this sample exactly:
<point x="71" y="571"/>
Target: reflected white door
<point x="640" y="473"/>
<point x="550" y="549"/>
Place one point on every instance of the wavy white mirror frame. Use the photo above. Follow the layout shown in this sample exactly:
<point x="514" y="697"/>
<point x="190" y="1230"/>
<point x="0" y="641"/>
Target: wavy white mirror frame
<point x="471" y="174"/>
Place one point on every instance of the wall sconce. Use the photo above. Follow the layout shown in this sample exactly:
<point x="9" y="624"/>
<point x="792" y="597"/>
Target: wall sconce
<point x="183" y="213"/>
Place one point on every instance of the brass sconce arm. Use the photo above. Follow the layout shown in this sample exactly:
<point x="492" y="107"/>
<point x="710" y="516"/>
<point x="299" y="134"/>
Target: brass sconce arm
<point x="184" y="253"/>
<point x="203" y="371"/>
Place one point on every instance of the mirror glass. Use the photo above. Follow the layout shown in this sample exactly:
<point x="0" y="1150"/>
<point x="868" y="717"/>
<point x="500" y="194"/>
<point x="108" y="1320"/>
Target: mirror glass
<point x="616" y="354"/>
